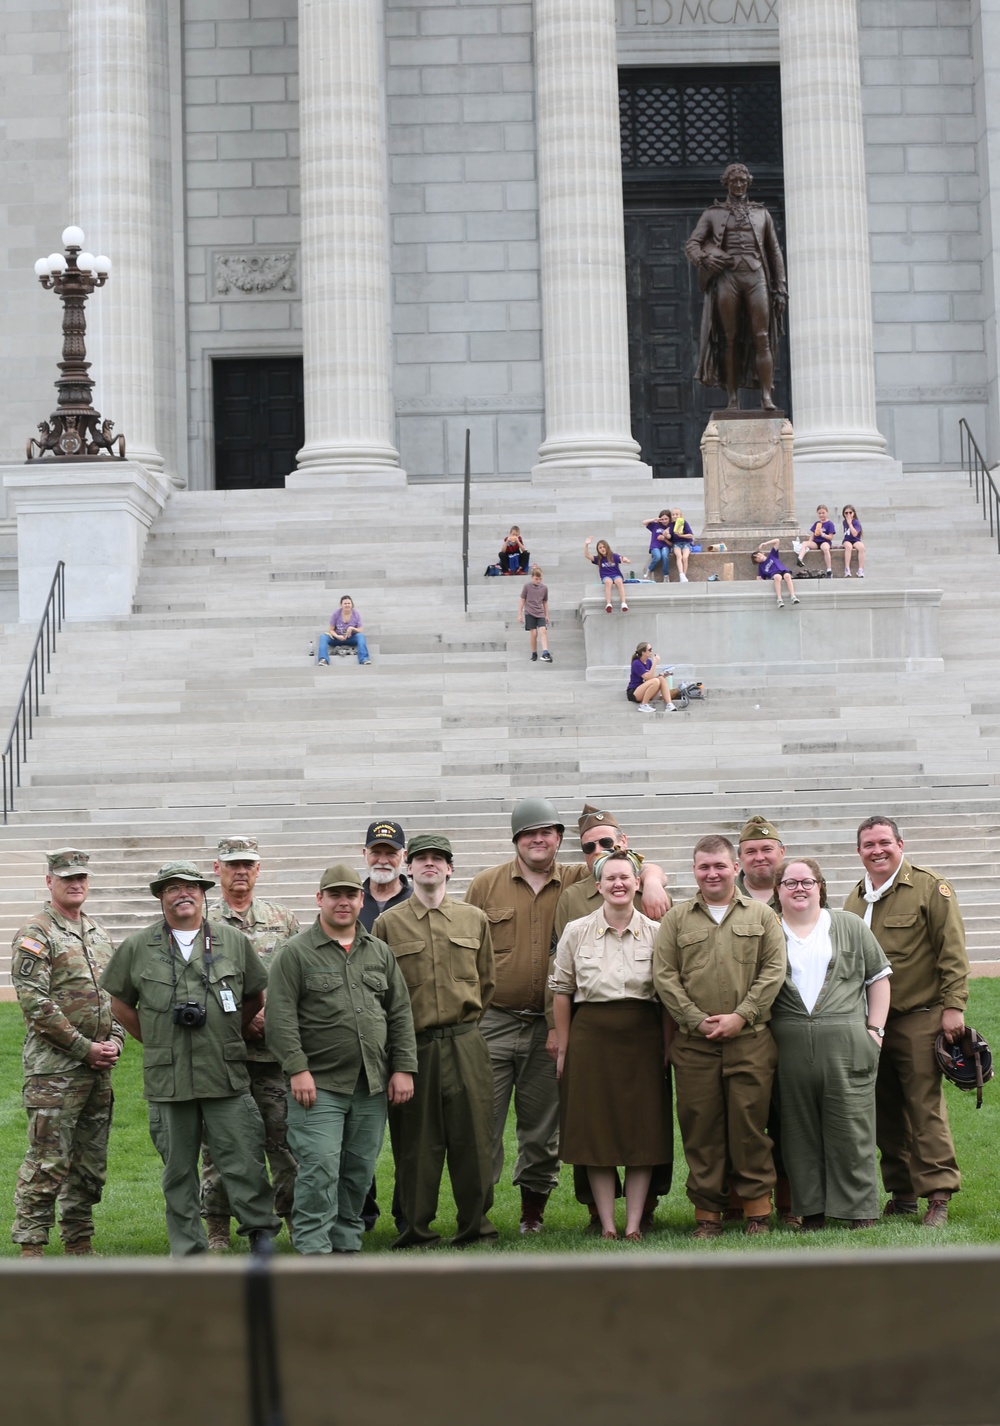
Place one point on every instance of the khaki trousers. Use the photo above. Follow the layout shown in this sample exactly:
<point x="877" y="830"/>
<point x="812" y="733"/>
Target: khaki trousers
<point x="911" y="1122"/>
<point x="723" y="1096"/>
<point x="521" y="1066"/>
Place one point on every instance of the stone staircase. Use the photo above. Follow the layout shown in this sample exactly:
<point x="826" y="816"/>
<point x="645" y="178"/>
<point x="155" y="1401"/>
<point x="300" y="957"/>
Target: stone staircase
<point x="203" y="713"/>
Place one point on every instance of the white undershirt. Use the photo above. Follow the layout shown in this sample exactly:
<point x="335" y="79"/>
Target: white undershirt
<point x="717" y="912"/>
<point x="809" y="959"/>
<point x="185" y="941"/>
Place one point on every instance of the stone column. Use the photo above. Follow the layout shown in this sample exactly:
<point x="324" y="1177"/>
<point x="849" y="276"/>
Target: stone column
<point x="829" y="306"/>
<point x="345" y="331"/>
<point x="587" y="416"/>
<point x="111" y="200"/>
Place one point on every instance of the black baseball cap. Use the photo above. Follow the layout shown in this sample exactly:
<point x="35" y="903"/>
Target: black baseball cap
<point x="390" y="832"/>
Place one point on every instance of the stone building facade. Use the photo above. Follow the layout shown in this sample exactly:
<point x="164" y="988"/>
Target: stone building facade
<point x="421" y="201"/>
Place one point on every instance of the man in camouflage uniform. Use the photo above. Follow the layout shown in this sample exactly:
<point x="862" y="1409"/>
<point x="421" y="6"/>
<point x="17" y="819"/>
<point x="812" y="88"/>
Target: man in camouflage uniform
<point x="72" y="1042"/>
<point x="266" y="925"/>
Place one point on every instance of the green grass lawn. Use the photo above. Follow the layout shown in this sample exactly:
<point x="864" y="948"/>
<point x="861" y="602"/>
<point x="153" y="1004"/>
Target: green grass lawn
<point x="130" y="1218"/>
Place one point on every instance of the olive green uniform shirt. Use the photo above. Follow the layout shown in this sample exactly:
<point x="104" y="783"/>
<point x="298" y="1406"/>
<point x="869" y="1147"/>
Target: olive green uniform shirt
<point x="919" y="926"/>
<point x="179" y="1063"/>
<point x="702" y="969"/>
<point x="336" y="1014"/>
<point x="521" y="929"/>
<point x="265" y="925"/>
<point x="55" y="967"/>
<point x="446" y="956"/>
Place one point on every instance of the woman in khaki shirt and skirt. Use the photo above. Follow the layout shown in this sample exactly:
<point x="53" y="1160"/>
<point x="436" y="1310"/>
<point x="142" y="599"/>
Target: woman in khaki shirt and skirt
<point x="613" y="1086"/>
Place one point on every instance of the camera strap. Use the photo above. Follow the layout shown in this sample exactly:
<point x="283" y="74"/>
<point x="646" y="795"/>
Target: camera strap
<point x="175" y="950"/>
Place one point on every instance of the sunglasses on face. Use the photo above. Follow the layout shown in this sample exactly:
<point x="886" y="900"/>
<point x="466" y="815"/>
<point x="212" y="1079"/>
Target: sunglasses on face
<point x="606" y="844"/>
<point x="807" y="883"/>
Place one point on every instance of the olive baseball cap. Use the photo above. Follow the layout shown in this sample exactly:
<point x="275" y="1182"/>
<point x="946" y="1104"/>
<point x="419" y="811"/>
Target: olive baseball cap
<point x="384" y="831"/>
<point x="68" y="861"/>
<point x="430" y="842"/>
<point x="340" y="876"/>
<point x="179" y="871"/>
<point x="238" y="849"/>
<point x="759" y="829"/>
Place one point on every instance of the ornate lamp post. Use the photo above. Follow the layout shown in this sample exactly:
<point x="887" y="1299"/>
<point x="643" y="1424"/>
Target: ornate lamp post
<point x="75" y="432"/>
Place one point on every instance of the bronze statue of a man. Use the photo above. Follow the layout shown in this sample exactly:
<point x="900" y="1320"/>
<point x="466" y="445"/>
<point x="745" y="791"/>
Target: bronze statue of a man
<point x="742" y="274"/>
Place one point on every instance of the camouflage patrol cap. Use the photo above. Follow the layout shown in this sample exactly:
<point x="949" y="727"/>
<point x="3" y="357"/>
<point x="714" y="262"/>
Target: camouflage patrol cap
<point x="179" y="871"/>
<point x="238" y="849"/>
<point x="68" y="861"/>
<point x="759" y="829"/>
<point x="592" y="817"/>
<point x="429" y="842"/>
<point x="340" y="877"/>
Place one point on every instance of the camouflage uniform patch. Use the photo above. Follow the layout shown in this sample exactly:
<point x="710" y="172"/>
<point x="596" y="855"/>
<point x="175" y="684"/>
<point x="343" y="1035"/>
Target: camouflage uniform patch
<point x="56" y="967"/>
<point x="267" y="924"/>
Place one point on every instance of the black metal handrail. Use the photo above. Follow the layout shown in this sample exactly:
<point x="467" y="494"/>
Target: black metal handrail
<point x="974" y="465"/>
<point x="23" y="727"/>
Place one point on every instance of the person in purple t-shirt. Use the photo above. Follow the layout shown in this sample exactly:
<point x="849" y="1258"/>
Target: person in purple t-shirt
<point x="646" y="680"/>
<point x="769" y="566"/>
<point x="853" y="541"/>
<point x="344" y="632"/>
<point x="609" y="567"/>
<point x="659" y="543"/>
<point x="682" y="538"/>
<point x="820" y="537"/>
<point x="533" y="613"/>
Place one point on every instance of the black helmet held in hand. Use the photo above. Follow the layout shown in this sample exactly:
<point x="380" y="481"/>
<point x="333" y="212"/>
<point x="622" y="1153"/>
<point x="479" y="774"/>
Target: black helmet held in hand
<point x="967" y="1063"/>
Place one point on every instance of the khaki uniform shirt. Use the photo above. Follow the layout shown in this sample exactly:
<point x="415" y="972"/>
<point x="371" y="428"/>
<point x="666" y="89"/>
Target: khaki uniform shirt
<point x="149" y="973"/>
<point x="55" y="967"/>
<point x="337" y="1014"/>
<point x="265" y="925"/>
<point x="919" y="926"/>
<point x="579" y="900"/>
<point x="446" y="956"/>
<point x="595" y="963"/>
<point x="702" y="969"/>
<point x="521" y="928"/>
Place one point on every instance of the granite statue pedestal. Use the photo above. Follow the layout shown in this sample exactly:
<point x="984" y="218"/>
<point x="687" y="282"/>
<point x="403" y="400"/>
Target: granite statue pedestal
<point x="749" y="481"/>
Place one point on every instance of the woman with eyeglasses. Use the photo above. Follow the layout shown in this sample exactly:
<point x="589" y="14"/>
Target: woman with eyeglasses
<point x="827" y="1022"/>
<point x="853" y="541"/>
<point x="614" y="1093"/>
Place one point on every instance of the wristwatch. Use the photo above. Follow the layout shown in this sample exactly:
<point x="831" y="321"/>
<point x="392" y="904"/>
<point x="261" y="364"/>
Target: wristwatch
<point x="879" y="1030"/>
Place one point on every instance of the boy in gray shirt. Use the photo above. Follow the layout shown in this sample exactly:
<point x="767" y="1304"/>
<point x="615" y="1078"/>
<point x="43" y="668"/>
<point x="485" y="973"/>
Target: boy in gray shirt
<point x="533" y="613"/>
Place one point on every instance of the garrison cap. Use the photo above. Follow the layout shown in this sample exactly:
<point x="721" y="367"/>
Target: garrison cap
<point x="179" y="871"/>
<point x="759" y="829"/>
<point x="340" y="877"/>
<point x="430" y="842"/>
<point x="238" y="849"/>
<point x="591" y="817"/>
<point x="67" y="861"/>
<point x="390" y="832"/>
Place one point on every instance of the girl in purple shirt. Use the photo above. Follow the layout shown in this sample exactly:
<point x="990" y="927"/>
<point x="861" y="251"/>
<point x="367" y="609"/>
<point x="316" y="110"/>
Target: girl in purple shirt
<point x="682" y="538"/>
<point x="769" y="566"/>
<point x="853" y="541"/>
<point x="820" y="537"/>
<point x="659" y="543"/>
<point x="609" y="568"/>
<point x="645" y="680"/>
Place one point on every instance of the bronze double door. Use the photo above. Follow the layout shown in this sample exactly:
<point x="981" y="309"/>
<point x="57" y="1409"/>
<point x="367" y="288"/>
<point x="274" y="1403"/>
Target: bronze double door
<point x="679" y="130"/>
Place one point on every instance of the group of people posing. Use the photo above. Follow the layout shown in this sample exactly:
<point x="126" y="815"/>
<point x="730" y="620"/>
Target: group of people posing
<point x="797" y="1037"/>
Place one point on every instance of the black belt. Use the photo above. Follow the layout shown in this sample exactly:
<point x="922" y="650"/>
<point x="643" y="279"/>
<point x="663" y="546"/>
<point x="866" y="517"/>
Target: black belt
<point x="444" y="1032"/>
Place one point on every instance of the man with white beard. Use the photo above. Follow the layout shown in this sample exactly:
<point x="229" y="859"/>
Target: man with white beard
<point x="385" y="884"/>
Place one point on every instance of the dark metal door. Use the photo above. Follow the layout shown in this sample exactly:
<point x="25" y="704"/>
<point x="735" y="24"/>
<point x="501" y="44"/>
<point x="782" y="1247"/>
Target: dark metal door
<point x="259" y="421"/>
<point x="679" y="130"/>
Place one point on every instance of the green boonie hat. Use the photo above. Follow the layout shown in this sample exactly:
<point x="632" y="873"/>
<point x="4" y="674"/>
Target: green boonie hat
<point x="340" y="875"/>
<point x="179" y="871"/>
<point x="67" y="861"/>
<point x="759" y="829"/>
<point x="430" y="842"/>
<point x="238" y="849"/>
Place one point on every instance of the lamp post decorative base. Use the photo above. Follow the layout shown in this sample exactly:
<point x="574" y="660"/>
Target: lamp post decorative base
<point x="76" y="436"/>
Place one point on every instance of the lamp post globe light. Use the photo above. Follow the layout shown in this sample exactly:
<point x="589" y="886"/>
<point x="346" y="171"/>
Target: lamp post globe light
<point x="74" y="431"/>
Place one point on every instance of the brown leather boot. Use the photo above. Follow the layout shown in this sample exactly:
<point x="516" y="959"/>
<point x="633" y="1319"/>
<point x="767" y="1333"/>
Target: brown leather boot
<point x="532" y="1210"/>
<point x="218" y="1234"/>
<point x="82" y="1248"/>
<point x="32" y="1250"/>
<point x="706" y="1225"/>
<point x="937" y="1211"/>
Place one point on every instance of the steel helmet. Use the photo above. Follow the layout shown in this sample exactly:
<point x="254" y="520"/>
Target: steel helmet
<point x="532" y="812"/>
<point x="967" y="1063"/>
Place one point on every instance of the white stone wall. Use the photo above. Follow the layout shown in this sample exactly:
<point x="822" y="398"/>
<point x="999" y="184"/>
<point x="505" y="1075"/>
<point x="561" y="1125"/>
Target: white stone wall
<point x="924" y="189"/>
<point x="34" y="158"/>
<point x="242" y="194"/>
<point x="464" y="227"/>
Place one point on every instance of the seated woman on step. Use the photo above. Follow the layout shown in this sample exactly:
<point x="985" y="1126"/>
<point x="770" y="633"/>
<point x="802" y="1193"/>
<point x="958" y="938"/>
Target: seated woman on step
<point x="609" y="567"/>
<point x="345" y="632"/>
<point x="645" y="680"/>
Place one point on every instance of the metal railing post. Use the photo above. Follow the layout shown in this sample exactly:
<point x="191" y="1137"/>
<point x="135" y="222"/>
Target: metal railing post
<point x="987" y="494"/>
<point x="22" y="729"/>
